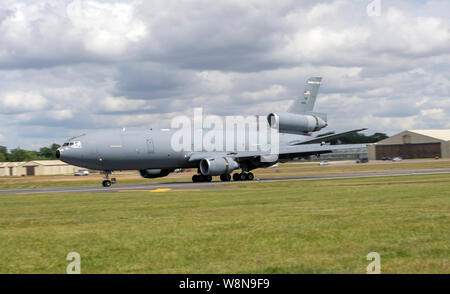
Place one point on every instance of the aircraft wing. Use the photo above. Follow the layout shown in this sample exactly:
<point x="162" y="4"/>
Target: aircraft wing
<point x="325" y="138"/>
<point x="286" y="152"/>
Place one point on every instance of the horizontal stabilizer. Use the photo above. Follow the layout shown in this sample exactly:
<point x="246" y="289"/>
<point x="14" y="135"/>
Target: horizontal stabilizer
<point x="325" y="138"/>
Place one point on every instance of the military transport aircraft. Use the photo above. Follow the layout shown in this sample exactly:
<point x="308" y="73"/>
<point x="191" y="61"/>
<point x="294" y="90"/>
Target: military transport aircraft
<point x="151" y="152"/>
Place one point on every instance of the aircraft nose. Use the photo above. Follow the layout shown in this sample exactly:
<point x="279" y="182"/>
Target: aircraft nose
<point x="63" y="154"/>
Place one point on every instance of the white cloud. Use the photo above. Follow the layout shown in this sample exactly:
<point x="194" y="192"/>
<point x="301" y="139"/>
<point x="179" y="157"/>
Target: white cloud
<point x="105" y="28"/>
<point x="122" y="104"/>
<point x="18" y="102"/>
<point x="434" y="114"/>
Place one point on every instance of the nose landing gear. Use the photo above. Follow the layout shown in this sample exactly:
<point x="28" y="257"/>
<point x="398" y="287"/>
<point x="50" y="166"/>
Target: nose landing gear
<point x="107" y="183"/>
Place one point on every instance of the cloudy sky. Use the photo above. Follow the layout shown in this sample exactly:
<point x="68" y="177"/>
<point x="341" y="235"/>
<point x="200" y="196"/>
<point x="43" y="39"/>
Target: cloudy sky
<point x="67" y="67"/>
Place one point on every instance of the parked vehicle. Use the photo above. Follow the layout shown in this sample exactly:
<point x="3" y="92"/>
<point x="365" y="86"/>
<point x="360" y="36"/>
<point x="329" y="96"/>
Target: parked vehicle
<point x="82" y="173"/>
<point x="362" y="160"/>
<point x="322" y="163"/>
<point x="397" y="159"/>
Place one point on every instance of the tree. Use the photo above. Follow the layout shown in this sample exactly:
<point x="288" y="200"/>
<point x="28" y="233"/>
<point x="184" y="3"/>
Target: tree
<point x="2" y="157"/>
<point x="46" y="153"/>
<point x="54" y="147"/>
<point x="22" y="155"/>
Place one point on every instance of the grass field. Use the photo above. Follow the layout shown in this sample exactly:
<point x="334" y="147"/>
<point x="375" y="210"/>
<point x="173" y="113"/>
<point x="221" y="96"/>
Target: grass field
<point x="314" y="226"/>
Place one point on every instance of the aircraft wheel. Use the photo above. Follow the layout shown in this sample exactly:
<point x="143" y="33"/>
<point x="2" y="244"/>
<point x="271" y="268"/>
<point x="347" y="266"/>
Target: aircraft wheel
<point x="228" y="177"/>
<point x="113" y="181"/>
<point x="250" y="176"/>
<point x="208" y="179"/>
<point x="243" y="176"/>
<point x="201" y="178"/>
<point x="106" y="184"/>
<point x="236" y="177"/>
<point x="195" y="178"/>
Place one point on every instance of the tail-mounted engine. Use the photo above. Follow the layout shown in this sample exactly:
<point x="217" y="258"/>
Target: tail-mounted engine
<point x="297" y="123"/>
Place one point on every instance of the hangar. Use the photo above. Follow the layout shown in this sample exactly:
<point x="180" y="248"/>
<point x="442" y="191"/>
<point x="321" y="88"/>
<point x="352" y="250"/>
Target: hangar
<point x="413" y="144"/>
<point x="36" y="168"/>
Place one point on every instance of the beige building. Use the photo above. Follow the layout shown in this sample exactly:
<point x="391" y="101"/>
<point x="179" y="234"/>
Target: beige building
<point x="413" y="144"/>
<point x="36" y="168"/>
<point x="10" y="168"/>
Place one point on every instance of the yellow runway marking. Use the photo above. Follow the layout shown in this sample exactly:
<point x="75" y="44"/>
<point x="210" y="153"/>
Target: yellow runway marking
<point x="152" y="191"/>
<point x="159" y="190"/>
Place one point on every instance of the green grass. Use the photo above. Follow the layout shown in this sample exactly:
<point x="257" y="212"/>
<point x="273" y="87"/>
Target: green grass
<point x="286" y="227"/>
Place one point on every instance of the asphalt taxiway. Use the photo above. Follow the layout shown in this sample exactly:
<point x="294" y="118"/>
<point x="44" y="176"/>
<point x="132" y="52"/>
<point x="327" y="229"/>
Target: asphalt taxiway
<point x="189" y="186"/>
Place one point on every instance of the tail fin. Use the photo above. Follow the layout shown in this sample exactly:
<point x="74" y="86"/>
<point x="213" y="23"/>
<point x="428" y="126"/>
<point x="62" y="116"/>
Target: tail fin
<point x="305" y="103"/>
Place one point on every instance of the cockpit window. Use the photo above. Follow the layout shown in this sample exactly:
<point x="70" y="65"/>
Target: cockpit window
<point x="74" y="144"/>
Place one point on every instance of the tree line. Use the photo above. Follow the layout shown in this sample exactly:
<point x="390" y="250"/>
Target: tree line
<point x="18" y="154"/>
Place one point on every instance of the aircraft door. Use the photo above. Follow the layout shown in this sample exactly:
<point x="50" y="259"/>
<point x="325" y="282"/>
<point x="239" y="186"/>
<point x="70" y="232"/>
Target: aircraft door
<point x="150" y="146"/>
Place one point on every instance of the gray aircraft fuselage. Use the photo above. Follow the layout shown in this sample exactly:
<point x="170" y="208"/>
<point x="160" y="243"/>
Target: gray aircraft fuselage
<point x="138" y="150"/>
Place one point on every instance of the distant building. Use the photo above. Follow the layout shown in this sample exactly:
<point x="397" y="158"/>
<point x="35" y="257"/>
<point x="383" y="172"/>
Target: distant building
<point x="36" y="168"/>
<point x="413" y="144"/>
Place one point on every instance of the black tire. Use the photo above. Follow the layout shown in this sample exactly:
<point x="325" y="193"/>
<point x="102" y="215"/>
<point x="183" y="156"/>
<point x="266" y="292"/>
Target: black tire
<point x="250" y="176"/>
<point x="201" y="178"/>
<point x="236" y="177"/>
<point x="106" y="184"/>
<point x="208" y="178"/>
<point x="228" y="177"/>
<point x="243" y="176"/>
<point x="113" y="181"/>
<point x="195" y="178"/>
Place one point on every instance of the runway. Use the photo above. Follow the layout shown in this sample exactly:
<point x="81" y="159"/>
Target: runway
<point x="189" y="186"/>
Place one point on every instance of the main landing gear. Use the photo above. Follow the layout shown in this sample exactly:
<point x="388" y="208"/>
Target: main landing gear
<point x="201" y="178"/>
<point x="243" y="177"/>
<point x="107" y="183"/>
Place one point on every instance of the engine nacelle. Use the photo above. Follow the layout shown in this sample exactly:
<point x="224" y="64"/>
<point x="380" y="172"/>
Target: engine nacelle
<point x="154" y="173"/>
<point x="296" y="123"/>
<point x="218" y="166"/>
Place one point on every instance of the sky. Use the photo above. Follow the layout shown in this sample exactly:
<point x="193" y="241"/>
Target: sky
<point x="71" y="67"/>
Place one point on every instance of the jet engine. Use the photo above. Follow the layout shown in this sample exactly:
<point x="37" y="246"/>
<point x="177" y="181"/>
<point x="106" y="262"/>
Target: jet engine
<point x="218" y="166"/>
<point x="154" y="173"/>
<point x="292" y="123"/>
